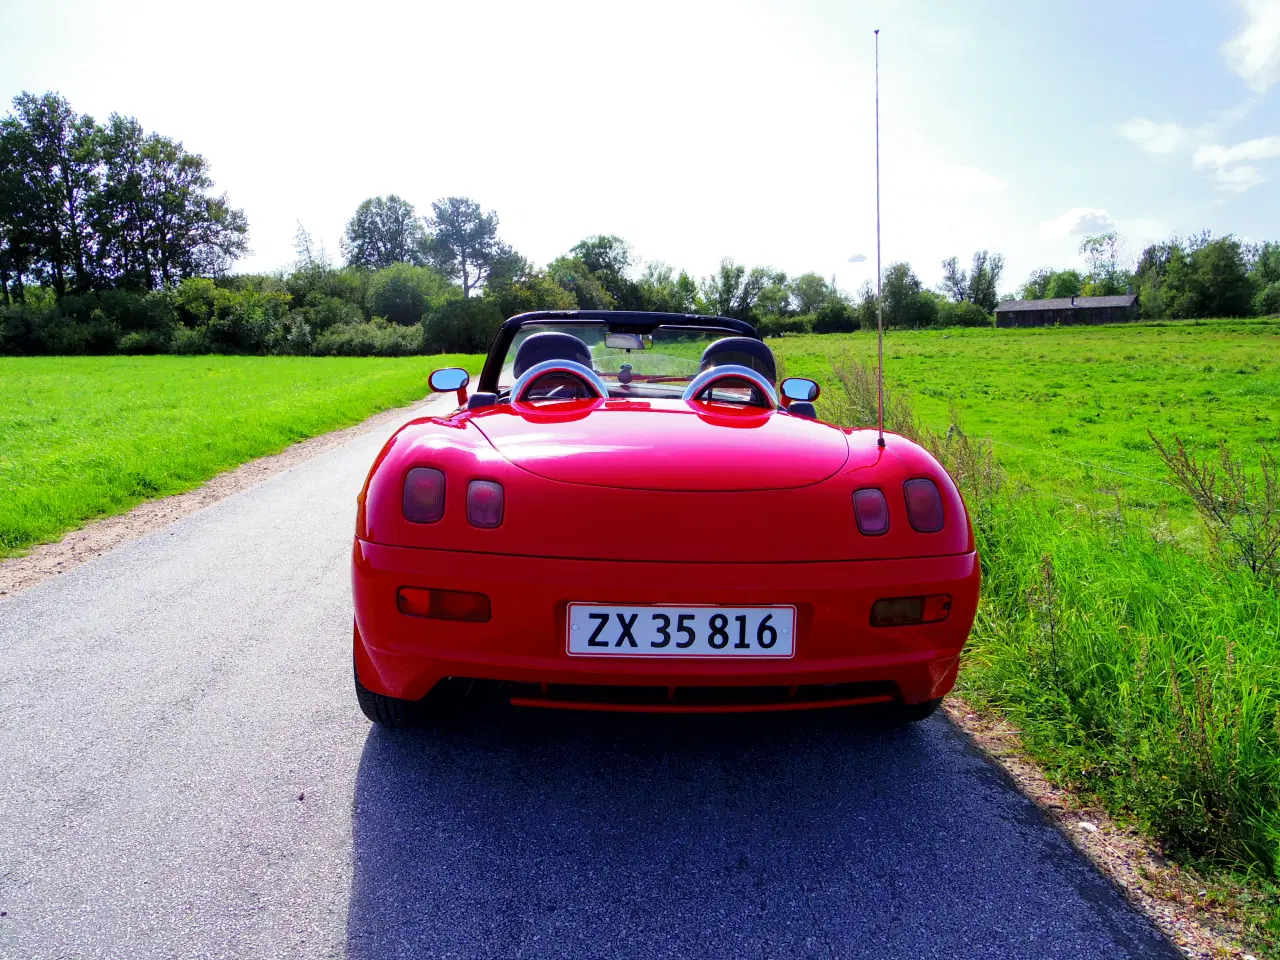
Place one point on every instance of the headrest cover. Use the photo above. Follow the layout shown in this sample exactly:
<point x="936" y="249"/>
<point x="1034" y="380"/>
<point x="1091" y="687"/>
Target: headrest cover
<point x="550" y="346"/>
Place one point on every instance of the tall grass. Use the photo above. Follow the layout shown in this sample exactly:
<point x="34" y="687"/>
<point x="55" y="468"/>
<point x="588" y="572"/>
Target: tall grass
<point x="1145" y="673"/>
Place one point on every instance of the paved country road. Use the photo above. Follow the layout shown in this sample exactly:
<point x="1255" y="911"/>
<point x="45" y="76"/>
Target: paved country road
<point x="184" y="773"/>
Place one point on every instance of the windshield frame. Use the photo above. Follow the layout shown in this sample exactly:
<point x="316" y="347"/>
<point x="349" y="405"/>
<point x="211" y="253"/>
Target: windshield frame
<point x="618" y="321"/>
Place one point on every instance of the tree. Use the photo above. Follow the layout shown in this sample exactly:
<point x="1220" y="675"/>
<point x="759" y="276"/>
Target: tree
<point x="516" y="287"/>
<point x="1036" y="286"/>
<point x="984" y="280"/>
<point x="733" y="291"/>
<point x="610" y="258"/>
<point x="464" y="242"/>
<point x="384" y="230"/>
<point x="1064" y="283"/>
<point x="980" y="284"/>
<point x="576" y="278"/>
<point x="57" y="153"/>
<point x="404" y="294"/>
<point x="659" y="289"/>
<point x="955" y="282"/>
<point x="906" y="302"/>
<point x="809" y="292"/>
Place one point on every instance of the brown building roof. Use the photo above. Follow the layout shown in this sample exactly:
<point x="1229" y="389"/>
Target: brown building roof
<point x="1068" y="303"/>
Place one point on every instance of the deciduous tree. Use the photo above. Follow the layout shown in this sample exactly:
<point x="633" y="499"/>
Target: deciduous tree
<point x="464" y="242"/>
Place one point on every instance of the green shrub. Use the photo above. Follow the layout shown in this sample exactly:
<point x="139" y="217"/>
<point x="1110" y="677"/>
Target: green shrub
<point x="144" y="341"/>
<point x="462" y="326"/>
<point x="191" y="340"/>
<point x="377" y="338"/>
<point x="966" y="313"/>
<point x="779" y="326"/>
<point x="835" y="316"/>
<point x="1267" y="300"/>
<point x="404" y="294"/>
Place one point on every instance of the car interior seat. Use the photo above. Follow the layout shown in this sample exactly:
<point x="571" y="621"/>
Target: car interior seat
<point x="549" y="346"/>
<point x="742" y="351"/>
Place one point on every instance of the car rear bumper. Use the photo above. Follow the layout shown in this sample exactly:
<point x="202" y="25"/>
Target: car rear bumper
<point x="839" y="658"/>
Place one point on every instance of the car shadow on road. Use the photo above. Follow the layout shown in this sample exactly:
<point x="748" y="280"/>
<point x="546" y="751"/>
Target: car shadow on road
<point x="513" y="833"/>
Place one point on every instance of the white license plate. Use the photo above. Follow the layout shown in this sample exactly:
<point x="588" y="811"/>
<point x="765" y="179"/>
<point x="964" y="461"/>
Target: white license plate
<point x="603" y="630"/>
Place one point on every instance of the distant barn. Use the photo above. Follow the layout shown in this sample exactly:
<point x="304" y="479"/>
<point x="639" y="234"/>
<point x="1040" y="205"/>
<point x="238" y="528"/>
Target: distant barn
<point x="1065" y="310"/>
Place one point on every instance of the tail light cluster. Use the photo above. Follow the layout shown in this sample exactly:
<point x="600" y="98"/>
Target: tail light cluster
<point x="443" y="604"/>
<point x="924" y="508"/>
<point x="424" y="499"/>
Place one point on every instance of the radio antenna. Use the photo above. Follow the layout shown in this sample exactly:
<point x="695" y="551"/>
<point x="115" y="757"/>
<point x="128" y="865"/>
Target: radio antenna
<point x="879" y="272"/>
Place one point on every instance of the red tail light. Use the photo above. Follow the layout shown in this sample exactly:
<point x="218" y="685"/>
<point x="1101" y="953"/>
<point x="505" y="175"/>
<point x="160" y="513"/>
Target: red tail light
<point x="924" y="505"/>
<point x="871" y="511"/>
<point x="443" y="604"/>
<point x="424" y="495"/>
<point x="904" y="611"/>
<point x="484" y="503"/>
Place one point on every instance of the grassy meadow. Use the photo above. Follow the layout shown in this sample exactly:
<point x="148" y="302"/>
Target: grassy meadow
<point x="84" y="437"/>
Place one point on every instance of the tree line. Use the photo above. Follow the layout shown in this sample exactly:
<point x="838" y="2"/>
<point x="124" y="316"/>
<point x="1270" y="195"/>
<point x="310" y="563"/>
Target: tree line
<point x="113" y="240"/>
<point x="87" y="206"/>
<point x="1178" y="278"/>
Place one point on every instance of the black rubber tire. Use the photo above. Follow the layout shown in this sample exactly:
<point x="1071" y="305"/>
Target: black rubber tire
<point x="387" y="711"/>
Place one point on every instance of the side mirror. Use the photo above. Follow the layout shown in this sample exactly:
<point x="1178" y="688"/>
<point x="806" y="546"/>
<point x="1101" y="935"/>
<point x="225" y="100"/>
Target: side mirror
<point x="448" y="379"/>
<point x="799" y="388"/>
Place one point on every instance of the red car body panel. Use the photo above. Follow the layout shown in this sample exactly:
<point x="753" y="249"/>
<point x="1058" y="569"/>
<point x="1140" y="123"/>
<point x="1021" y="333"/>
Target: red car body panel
<point x="658" y="502"/>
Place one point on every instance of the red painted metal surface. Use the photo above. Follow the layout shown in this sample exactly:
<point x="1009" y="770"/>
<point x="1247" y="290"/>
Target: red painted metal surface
<point x="697" y="708"/>
<point x="656" y="502"/>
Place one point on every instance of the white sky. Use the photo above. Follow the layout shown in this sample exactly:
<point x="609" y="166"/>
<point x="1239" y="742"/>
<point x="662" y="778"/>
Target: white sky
<point x="700" y="130"/>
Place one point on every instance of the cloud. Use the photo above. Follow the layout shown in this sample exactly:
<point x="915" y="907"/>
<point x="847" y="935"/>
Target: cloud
<point x="1233" y="166"/>
<point x="1216" y="155"/>
<point x="1154" y="137"/>
<point x="1079" y="221"/>
<point x="858" y="258"/>
<point x="1254" y="55"/>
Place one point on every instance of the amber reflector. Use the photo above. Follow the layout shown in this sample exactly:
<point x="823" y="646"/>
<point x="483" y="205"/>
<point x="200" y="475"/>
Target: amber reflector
<point x="905" y="611"/>
<point x="443" y="604"/>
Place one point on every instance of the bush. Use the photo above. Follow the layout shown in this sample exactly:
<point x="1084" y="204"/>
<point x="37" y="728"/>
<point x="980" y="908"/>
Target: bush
<point x="377" y="338"/>
<point x="1267" y="300"/>
<point x="462" y="326"/>
<point x="835" y="316"/>
<point x="191" y="340"/>
<point x="404" y="294"/>
<point x="144" y="341"/>
<point x="775" y="326"/>
<point x="966" y="313"/>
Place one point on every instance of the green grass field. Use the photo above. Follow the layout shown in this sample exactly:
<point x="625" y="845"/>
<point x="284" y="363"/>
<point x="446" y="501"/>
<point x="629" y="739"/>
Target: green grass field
<point x="84" y="437"/>
<point x="1069" y="408"/>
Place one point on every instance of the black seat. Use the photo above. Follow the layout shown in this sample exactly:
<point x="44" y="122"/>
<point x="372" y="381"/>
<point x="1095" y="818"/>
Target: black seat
<point x="742" y="351"/>
<point x="550" y="346"/>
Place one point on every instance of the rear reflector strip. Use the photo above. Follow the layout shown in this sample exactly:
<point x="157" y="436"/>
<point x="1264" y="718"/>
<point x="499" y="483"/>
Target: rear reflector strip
<point x="905" y="611"/>
<point x="443" y="604"/>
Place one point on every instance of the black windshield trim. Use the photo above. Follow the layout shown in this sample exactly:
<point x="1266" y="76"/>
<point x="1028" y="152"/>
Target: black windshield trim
<point x="621" y="321"/>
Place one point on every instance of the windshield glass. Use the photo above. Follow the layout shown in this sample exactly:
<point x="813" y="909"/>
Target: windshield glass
<point x="670" y="357"/>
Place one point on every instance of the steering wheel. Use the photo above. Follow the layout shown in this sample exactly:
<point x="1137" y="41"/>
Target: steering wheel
<point x="569" y="380"/>
<point x="709" y="378"/>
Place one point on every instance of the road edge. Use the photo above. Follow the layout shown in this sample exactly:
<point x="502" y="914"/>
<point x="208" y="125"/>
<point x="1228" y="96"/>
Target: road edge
<point x="1174" y="899"/>
<point x="97" y="537"/>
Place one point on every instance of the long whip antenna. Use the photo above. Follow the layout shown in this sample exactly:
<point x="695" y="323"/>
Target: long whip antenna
<point x="879" y="272"/>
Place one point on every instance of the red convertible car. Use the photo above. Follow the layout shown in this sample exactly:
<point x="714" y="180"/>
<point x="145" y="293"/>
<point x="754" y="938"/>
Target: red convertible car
<point x="631" y="513"/>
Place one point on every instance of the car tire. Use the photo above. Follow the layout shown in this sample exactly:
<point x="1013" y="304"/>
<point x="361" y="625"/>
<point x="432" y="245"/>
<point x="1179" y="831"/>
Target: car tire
<point x="387" y="711"/>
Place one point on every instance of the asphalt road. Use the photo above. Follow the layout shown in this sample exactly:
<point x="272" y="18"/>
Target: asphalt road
<point x="184" y="773"/>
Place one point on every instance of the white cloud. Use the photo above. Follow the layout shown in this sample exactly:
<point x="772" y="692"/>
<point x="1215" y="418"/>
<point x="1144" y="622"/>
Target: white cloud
<point x="1216" y="155"/>
<point x="1254" y="55"/>
<point x="1079" y="221"/>
<point x="858" y="258"/>
<point x="1154" y="137"/>
<point x="1233" y="166"/>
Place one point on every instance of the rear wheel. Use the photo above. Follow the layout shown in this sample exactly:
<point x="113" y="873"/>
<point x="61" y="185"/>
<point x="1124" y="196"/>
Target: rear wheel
<point x="388" y="711"/>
